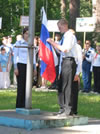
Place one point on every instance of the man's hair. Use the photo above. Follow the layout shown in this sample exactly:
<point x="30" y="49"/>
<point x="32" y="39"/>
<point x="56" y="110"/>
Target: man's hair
<point x="2" y="48"/>
<point x="88" y="41"/>
<point x="63" y="22"/>
<point x="25" y="30"/>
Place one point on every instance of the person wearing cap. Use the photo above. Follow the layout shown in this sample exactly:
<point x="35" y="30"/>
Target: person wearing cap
<point x="96" y="68"/>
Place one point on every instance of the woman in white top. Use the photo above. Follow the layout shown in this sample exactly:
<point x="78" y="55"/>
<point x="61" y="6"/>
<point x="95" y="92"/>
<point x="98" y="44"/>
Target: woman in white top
<point x="96" y="68"/>
<point x="20" y="61"/>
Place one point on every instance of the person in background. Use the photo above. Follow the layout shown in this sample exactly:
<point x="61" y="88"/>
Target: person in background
<point x="4" y="44"/>
<point x="36" y="65"/>
<point x="39" y="78"/>
<point x="8" y="48"/>
<point x="68" y="66"/>
<point x="87" y="53"/>
<point x="9" y="42"/>
<point x="96" y="68"/>
<point x="57" y="38"/>
<point x="19" y="37"/>
<point x="56" y="54"/>
<point x="10" y="65"/>
<point x="80" y="43"/>
<point x="20" y="65"/>
<point x="75" y="84"/>
<point x="4" y="74"/>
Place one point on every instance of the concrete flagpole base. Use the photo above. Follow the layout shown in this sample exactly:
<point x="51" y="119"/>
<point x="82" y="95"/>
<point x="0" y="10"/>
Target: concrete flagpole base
<point x="38" y="121"/>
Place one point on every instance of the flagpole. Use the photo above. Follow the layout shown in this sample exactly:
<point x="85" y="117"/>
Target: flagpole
<point x="29" y="73"/>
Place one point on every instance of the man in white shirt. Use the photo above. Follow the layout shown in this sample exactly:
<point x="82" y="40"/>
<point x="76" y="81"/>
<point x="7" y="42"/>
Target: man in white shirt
<point x="68" y="66"/>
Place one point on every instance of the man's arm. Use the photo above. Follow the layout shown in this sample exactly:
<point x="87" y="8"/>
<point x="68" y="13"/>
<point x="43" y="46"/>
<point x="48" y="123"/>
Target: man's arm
<point x="59" y="47"/>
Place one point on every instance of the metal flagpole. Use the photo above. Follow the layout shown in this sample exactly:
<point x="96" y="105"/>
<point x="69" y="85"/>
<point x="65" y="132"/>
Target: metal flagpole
<point x="29" y="74"/>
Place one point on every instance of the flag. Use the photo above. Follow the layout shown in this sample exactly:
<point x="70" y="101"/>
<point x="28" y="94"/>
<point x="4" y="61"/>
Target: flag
<point x="46" y="53"/>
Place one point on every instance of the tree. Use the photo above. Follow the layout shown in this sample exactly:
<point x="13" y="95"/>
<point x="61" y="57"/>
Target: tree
<point x="63" y="8"/>
<point x="74" y="11"/>
<point x="98" y="15"/>
<point x="11" y="10"/>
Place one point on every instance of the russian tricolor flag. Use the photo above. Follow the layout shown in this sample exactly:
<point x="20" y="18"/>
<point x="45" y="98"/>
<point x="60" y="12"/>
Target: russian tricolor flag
<point x="46" y="53"/>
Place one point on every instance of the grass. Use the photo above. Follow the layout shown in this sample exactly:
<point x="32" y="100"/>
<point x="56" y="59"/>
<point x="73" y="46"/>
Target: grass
<point x="89" y="105"/>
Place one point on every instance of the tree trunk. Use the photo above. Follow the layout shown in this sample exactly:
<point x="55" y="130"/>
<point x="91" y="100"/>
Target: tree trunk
<point x="63" y="8"/>
<point x="98" y="15"/>
<point x="74" y="11"/>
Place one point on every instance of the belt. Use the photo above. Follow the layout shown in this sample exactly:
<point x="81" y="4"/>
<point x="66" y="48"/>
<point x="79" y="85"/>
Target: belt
<point x="68" y="58"/>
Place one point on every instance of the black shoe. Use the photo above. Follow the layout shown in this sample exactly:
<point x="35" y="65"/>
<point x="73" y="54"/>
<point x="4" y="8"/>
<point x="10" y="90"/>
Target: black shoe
<point x="38" y="86"/>
<point x="73" y="113"/>
<point x="83" y="91"/>
<point x="52" y="87"/>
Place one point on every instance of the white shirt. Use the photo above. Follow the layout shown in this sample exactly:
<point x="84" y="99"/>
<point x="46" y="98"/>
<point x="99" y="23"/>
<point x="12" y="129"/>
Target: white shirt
<point x="95" y="61"/>
<point x="69" y="43"/>
<point x="89" y="54"/>
<point x="20" y="54"/>
<point x="79" y="59"/>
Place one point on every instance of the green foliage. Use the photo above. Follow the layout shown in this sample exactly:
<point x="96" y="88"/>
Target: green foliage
<point x="11" y="10"/>
<point x="85" y="8"/>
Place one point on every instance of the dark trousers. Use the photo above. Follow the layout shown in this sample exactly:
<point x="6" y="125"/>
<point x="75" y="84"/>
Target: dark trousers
<point x="68" y="70"/>
<point x="55" y="83"/>
<point x="96" y="72"/>
<point x="74" y="97"/>
<point x="21" y="86"/>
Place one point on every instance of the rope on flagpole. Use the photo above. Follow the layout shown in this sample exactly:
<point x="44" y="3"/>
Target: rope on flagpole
<point x="46" y="6"/>
<point x="41" y="13"/>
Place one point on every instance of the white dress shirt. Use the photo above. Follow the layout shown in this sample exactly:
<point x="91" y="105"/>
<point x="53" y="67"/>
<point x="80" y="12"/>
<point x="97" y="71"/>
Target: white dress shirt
<point x="79" y="59"/>
<point x="95" y="61"/>
<point x="69" y="43"/>
<point x="20" y="54"/>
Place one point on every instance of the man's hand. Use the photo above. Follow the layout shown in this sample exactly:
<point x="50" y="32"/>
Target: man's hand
<point x="83" y="56"/>
<point x="16" y="72"/>
<point x="76" y="78"/>
<point x="49" y="40"/>
<point x="0" y="69"/>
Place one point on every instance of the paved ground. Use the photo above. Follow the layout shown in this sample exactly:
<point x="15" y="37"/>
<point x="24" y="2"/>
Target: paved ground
<point x="87" y="129"/>
<point x="92" y="128"/>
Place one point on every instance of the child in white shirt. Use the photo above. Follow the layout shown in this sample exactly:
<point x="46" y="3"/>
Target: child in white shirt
<point x="96" y="68"/>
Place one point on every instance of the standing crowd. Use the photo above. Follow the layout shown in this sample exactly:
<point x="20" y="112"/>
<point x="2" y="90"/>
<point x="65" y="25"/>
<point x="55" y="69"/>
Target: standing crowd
<point x="70" y="61"/>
